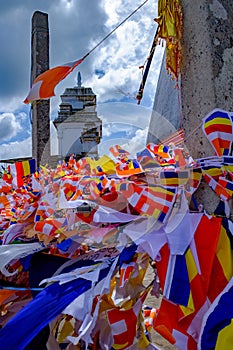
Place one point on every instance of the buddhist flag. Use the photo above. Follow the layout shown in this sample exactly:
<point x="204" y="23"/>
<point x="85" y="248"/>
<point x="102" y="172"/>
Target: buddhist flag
<point x="147" y="160"/>
<point x="126" y="270"/>
<point x="219" y="188"/>
<point x="119" y="152"/>
<point x="159" y="150"/>
<point x="217" y="327"/>
<point x="20" y="169"/>
<point x="173" y="178"/>
<point x="131" y="167"/>
<point x="104" y="165"/>
<point x="44" y="84"/>
<point x="156" y="201"/>
<point x="50" y="227"/>
<point x="123" y="323"/>
<point x="217" y="126"/>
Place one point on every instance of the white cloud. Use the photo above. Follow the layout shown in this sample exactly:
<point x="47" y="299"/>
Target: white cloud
<point x="131" y="144"/>
<point x="16" y="149"/>
<point x="75" y="28"/>
<point x="106" y="130"/>
<point x="125" y="113"/>
<point x="9" y="126"/>
<point x="137" y="143"/>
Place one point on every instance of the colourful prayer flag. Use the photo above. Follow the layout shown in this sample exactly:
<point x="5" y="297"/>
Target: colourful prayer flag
<point x="178" y="323"/>
<point x="147" y="160"/>
<point x="217" y="329"/>
<point x="131" y="167"/>
<point x="156" y="201"/>
<point x="118" y="152"/>
<point x="159" y="150"/>
<point x="174" y="178"/>
<point x="104" y="165"/>
<point x="123" y="323"/>
<point x="126" y="270"/>
<point x="217" y="126"/>
<point x="217" y="187"/>
<point x="21" y="169"/>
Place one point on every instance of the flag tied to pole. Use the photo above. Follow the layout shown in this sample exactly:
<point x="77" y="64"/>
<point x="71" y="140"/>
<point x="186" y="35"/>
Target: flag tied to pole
<point x="44" y="84"/>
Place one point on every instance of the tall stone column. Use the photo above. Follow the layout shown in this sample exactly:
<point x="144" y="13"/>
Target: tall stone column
<point x="206" y="72"/>
<point x="41" y="108"/>
<point x="207" y="65"/>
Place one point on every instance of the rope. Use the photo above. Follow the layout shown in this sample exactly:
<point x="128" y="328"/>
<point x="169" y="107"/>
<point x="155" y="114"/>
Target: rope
<point x="109" y="34"/>
<point x="179" y="105"/>
<point x="192" y="132"/>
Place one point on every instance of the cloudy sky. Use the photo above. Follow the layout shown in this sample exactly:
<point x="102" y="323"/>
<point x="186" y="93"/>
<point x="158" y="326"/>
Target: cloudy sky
<point x="112" y="70"/>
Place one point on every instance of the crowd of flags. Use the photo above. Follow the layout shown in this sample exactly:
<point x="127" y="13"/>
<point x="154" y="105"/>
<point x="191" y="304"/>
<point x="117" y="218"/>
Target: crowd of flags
<point x="77" y="242"/>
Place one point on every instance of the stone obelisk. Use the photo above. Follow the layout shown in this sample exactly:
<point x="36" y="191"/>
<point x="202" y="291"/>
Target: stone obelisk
<point x="206" y="73"/>
<point x="207" y="68"/>
<point x="41" y="108"/>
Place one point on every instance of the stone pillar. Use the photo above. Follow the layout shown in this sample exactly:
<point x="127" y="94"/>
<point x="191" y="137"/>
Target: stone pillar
<point x="207" y="68"/>
<point x="41" y="108"/>
<point x="206" y="72"/>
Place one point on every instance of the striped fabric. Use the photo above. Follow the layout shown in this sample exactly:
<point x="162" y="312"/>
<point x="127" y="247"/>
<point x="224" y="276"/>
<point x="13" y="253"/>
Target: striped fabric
<point x="174" y="178"/>
<point x="219" y="188"/>
<point x="123" y="323"/>
<point x="156" y="201"/>
<point x="217" y="126"/>
<point x="21" y="169"/>
<point x="131" y="167"/>
<point x="190" y="284"/>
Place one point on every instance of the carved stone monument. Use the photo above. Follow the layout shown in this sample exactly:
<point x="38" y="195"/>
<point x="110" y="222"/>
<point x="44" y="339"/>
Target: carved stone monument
<point x="78" y="127"/>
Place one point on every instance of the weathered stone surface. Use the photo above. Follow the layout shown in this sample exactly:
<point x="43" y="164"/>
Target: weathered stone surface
<point x="206" y="80"/>
<point x="206" y="72"/>
<point x="40" y="109"/>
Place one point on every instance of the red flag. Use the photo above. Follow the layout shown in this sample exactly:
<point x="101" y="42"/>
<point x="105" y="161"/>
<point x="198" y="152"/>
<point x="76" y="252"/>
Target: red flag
<point x="126" y="271"/>
<point x="43" y="86"/>
<point x="123" y="323"/>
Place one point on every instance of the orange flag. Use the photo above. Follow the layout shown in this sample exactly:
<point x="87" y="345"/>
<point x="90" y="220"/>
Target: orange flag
<point x="44" y="84"/>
